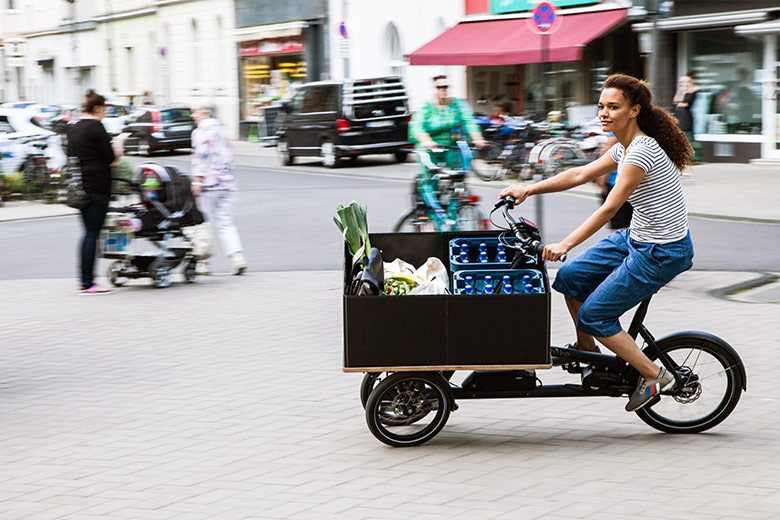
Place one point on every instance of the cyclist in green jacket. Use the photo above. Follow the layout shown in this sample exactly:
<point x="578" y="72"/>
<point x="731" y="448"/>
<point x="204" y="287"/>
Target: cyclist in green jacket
<point x="440" y="123"/>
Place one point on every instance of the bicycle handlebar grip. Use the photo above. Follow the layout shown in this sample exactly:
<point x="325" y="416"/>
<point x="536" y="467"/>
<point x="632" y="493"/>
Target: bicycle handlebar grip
<point x="507" y="201"/>
<point x="538" y="247"/>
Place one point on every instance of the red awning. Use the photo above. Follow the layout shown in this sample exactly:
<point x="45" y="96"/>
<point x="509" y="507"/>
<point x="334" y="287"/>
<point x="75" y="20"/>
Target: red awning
<point x="511" y="42"/>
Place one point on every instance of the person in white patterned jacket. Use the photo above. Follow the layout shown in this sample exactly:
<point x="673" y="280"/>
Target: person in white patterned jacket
<point x="215" y="182"/>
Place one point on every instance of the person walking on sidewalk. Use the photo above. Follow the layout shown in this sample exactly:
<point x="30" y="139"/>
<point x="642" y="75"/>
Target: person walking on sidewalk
<point x="629" y="265"/>
<point x="215" y="183"/>
<point x="684" y="99"/>
<point x="89" y="141"/>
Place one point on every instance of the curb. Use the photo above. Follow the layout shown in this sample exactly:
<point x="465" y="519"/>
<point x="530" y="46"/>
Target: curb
<point x="725" y="293"/>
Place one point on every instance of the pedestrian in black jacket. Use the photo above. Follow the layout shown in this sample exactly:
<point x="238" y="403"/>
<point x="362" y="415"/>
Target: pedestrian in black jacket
<point x="89" y="141"/>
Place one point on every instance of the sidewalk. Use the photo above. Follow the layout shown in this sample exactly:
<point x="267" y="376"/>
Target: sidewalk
<point x="238" y="409"/>
<point x="732" y="191"/>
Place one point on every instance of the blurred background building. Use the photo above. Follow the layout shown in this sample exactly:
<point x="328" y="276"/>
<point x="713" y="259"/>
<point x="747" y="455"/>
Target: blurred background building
<point x="245" y="55"/>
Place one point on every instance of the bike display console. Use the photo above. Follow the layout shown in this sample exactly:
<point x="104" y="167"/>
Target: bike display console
<point x="443" y="332"/>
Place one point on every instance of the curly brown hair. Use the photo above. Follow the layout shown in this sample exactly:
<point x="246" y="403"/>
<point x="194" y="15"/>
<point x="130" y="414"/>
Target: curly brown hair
<point x="653" y="120"/>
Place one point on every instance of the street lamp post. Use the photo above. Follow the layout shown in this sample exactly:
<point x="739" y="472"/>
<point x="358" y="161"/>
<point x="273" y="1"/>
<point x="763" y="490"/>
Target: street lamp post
<point x="74" y="46"/>
<point x="655" y="55"/>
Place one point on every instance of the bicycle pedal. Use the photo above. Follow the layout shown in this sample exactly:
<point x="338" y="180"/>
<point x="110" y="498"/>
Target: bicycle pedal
<point x="573" y="367"/>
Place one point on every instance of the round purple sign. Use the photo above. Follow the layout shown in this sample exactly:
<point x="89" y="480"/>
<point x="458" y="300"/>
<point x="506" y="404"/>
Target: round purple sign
<point x="545" y="17"/>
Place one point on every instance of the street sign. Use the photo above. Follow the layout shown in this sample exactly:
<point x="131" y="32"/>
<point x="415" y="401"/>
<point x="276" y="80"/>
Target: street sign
<point x="545" y="18"/>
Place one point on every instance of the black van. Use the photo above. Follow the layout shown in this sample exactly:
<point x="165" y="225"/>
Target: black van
<point x="336" y="119"/>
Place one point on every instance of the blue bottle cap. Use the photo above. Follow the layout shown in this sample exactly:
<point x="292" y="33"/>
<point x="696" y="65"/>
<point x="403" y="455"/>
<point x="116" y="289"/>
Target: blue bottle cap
<point x="526" y="278"/>
<point x="469" y="279"/>
<point x="507" y="288"/>
<point x="500" y="247"/>
<point x="488" y="288"/>
<point x="464" y="248"/>
<point x="528" y="288"/>
<point x="469" y="289"/>
<point x="488" y="279"/>
<point x="506" y="278"/>
<point x="482" y="246"/>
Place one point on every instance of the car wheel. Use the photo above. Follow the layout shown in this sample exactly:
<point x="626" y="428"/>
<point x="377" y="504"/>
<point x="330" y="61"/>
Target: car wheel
<point x="144" y="148"/>
<point x="285" y="157"/>
<point x="401" y="156"/>
<point x="328" y="155"/>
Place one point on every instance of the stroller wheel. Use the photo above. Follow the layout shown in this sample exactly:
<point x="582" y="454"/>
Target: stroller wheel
<point x="161" y="273"/>
<point x="116" y="273"/>
<point x="190" y="271"/>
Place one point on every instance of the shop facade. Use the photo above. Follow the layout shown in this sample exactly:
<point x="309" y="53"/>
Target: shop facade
<point x="733" y="55"/>
<point x="505" y="59"/>
<point x="279" y="45"/>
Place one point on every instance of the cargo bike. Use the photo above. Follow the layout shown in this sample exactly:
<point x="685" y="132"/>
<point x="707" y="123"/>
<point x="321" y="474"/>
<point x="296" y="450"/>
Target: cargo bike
<point x="409" y="347"/>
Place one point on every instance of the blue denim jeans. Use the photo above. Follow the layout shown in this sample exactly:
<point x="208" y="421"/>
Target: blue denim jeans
<point x="618" y="273"/>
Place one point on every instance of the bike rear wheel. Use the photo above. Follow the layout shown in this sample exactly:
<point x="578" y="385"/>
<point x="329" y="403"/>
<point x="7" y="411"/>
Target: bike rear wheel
<point x="485" y="163"/>
<point x="712" y="390"/>
<point x="470" y="218"/>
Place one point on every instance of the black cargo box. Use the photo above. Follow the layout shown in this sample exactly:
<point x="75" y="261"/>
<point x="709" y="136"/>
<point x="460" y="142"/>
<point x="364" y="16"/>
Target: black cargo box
<point x="442" y="332"/>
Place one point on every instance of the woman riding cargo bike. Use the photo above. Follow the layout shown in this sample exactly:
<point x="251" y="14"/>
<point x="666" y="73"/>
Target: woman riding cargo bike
<point x="438" y="131"/>
<point x="629" y="265"/>
<point x="683" y="382"/>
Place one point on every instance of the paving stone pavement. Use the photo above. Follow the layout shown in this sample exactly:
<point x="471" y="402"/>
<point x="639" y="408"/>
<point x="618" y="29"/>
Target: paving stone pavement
<point x="225" y="400"/>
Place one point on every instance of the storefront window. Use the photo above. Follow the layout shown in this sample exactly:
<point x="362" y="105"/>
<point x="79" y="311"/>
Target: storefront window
<point x="270" y="70"/>
<point x="728" y="73"/>
<point x="564" y="81"/>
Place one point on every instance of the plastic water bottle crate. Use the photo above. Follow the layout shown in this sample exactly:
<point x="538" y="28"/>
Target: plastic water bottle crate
<point x="499" y="281"/>
<point x="114" y="242"/>
<point x="482" y="253"/>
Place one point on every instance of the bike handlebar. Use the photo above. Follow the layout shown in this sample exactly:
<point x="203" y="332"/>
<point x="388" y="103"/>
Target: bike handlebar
<point x="522" y="229"/>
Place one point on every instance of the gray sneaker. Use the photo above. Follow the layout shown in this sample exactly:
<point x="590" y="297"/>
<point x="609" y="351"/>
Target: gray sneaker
<point x="647" y="390"/>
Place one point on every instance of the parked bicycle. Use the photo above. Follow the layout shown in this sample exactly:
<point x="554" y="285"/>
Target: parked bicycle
<point x="459" y="204"/>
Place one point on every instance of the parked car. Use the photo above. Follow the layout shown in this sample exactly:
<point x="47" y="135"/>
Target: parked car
<point x="43" y="114"/>
<point x="336" y="119"/>
<point x="20" y="138"/>
<point x="17" y="104"/>
<point x="116" y="117"/>
<point x="159" y="128"/>
<point x="68" y="115"/>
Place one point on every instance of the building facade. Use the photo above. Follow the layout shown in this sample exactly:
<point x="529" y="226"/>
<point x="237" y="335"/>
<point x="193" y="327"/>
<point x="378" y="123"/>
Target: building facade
<point x="510" y="64"/>
<point x="732" y="50"/>
<point x="177" y="50"/>
<point x="279" y="45"/>
<point x="371" y="39"/>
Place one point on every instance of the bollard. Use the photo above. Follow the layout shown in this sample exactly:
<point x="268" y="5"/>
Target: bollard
<point x="539" y="203"/>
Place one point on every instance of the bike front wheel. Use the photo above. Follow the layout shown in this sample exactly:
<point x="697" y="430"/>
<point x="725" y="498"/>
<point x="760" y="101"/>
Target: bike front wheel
<point x="408" y="409"/>
<point x="713" y="385"/>
<point x="414" y="221"/>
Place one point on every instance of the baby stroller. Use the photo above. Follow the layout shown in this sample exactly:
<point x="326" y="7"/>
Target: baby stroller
<point x="166" y="207"/>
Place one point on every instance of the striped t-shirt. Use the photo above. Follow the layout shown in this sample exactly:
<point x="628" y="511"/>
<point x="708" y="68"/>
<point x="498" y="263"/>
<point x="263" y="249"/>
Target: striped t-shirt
<point x="660" y="214"/>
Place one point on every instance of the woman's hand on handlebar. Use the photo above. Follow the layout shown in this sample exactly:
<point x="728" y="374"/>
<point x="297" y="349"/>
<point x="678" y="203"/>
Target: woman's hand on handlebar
<point x="554" y="252"/>
<point x="517" y="191"/>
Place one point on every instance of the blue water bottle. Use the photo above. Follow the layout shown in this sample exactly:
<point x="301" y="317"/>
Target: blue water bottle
<point x="488" y="279"/>
<point x="501" y="253"/>
<point x="469" y="289"/>
<point x="464" y="253"/>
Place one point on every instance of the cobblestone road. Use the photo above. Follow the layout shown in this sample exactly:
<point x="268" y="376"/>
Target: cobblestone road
<point x="225" y="400"/>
